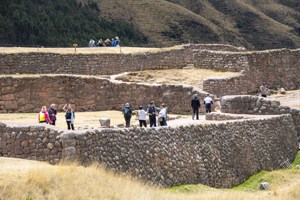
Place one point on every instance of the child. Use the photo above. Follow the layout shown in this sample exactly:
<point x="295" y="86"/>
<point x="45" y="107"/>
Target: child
<point x="43" y="116"/>
<point x="142" y="116"/>
<point x="70" y="116"/>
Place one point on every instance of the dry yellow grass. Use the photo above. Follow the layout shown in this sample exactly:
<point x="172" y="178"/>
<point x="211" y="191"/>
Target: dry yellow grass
<point x="23" y="179"/>
<point x="191" y="76"/>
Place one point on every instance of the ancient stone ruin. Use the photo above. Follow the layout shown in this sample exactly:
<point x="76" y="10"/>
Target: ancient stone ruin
<point x="250" y="133"/>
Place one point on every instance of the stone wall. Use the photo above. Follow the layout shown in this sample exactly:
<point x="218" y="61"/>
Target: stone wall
<point x="30" y="142"/>
<point x="227" y="86"/>
<point x="30" y="93"/>
<point x="279" y="68"/>
<point x="246" y="104"/>
<point x="218" y="155"/>
<point x="101" y="64"/>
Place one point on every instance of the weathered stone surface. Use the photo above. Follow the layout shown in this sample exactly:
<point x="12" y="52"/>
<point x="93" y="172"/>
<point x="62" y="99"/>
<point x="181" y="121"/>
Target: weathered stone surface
<point x="11" y="105"/>
<point x="104" y="122"/>
<point x="168" y="155"/>
<point x="262" y="106"/>
<point x="90" y="98"/>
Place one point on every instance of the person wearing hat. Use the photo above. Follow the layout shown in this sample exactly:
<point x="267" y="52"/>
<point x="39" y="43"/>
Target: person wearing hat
<point x="127" y="114"/>
<point x="195" y="104"/>
<point x="52" y="113"/>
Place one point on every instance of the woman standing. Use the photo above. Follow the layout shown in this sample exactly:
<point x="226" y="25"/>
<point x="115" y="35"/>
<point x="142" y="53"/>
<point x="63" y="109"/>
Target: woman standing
<point x="70" y="115"/>
<point x="162" y="115"/>
<point x="142" y="116"/>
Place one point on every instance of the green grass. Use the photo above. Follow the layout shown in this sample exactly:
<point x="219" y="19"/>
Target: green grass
<point x="274" y="178"/>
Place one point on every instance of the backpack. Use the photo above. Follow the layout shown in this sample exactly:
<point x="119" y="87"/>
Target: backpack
<point x="42" y="117"/>
<point x="68" y="115"/>
<point x="127" y="112"/>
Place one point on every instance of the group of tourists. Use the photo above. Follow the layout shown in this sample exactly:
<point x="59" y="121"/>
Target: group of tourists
<point x="152" y="111"/>
<point x="160" y="114"/>
<point x="105" y="43"/>
<point x="49" y="115"/>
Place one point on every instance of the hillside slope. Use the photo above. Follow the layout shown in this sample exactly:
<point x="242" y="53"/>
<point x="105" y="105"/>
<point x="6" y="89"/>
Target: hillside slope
<point x="255" y="24"/>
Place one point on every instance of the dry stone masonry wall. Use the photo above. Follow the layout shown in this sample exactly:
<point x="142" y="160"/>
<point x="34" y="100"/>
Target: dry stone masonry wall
<point x="218" y="155"/>
<point x="279" y="68"/>
<point x="30" y="142"/>
<point x="247" y="104"/>
<point x="29" y="94"/>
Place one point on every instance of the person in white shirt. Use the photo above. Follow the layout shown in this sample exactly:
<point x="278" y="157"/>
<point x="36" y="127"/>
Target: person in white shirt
<point x="162" y="115"/>
<point x="207" y="102"/>
<point x="142" y="116"/>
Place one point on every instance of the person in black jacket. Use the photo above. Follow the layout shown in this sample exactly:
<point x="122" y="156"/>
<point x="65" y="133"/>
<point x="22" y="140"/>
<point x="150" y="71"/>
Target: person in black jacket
<point x="195" y="104"/>
<point x="52" y="113"/>
<point x="152" y="111"/>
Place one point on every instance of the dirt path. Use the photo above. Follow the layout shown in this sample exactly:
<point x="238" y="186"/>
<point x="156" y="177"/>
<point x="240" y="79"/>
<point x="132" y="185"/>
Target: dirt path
<point x="290" y="99"/>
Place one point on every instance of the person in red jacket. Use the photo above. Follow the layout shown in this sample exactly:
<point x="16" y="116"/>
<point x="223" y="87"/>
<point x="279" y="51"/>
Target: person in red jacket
<point x="43" y="116"/>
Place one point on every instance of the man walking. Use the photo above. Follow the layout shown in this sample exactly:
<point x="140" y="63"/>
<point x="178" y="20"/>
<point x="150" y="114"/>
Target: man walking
<point x="195" y="104"/>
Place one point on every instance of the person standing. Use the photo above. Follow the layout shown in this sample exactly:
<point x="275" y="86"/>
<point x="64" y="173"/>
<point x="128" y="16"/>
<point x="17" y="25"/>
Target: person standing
<point x="127" y="114"/>
<point x="142" y="116"/>
<point x="162" y="115"/>
<point x="263" y="90"/>
<point x="152" y="112"/>
<point x="195" y="104"/>
<point x="52" y="113"/>
<point x="207" y="102"/>
<point x="43" y="116"/>
<point x="70" y="116"/>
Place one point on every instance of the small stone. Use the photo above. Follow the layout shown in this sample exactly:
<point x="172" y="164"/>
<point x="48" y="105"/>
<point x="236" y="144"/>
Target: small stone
<point x="50" y="146"/>
<point x="104" y="122"/>
<point x="264" y="186"/>
<point x="282" y="91"/>
<point x="297" y="166"/>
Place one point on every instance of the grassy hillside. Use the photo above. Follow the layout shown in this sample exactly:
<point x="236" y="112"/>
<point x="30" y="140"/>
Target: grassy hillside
<point x="59" y="24"/>
<point x="31" y="180"/>
<point x="256" y="24"/>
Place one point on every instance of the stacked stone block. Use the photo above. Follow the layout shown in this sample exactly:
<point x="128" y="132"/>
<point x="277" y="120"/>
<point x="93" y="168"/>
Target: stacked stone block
<point x="218" y="155"/>
<point x="247" y="104"/>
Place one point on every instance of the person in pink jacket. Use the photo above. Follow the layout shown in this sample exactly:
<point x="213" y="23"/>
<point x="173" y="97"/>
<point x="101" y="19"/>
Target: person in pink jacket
<point x="43" y="116"/>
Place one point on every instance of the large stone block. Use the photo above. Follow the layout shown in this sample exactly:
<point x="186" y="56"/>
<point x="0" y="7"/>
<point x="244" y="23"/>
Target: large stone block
<point x="11" y="105"/>
<point x="104" y="122"/>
